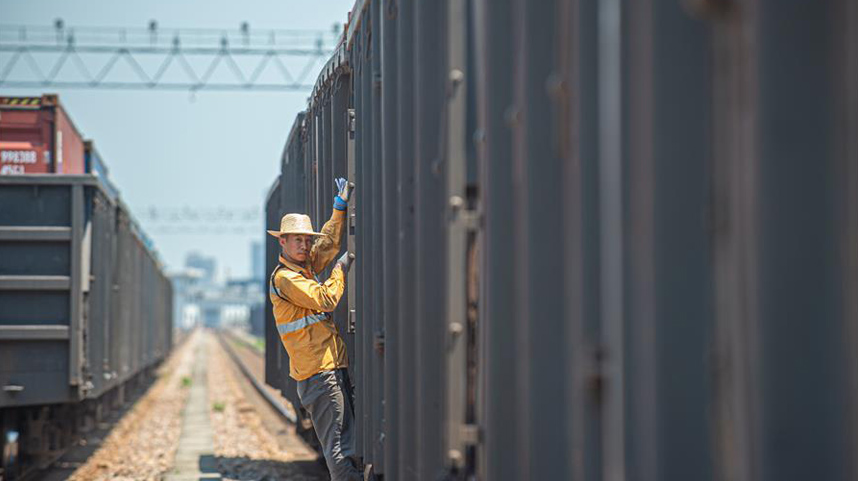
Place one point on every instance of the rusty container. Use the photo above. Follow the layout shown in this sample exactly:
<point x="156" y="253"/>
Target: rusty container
<point x="37" y="136"/>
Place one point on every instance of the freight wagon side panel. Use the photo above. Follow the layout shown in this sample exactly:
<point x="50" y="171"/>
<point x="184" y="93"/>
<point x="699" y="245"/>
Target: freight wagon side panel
<point x="143" y="302"/>
<point x="287" y="195"/>
<point x="101" y="212"/>
<point x="167" y="313"/>
<point x="339" y="141"/>
<point x="164" y="317"/>
<point x="272" y="342"/>
<point x="43" y="273"/>
<point x="123" y="339"/>
<point x="294" y="199"/>
<point x="34" y="372"/>
<point x="83" y="303"/>
<point x="134" y="295"/>
<point x="151" y="302"/>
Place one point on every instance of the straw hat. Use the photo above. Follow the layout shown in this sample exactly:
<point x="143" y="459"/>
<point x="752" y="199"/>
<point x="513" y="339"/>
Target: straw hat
<point x="295" y="224"/>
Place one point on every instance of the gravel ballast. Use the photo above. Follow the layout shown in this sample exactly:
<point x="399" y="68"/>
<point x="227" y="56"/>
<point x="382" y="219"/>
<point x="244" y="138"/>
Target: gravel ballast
<point x="143" y="444"/>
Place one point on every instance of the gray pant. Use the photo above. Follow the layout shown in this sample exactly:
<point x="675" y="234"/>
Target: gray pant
<point x="327" y="397"/>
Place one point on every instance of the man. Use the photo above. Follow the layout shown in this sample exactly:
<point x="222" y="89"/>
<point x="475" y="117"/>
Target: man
<point x="317" y="353"/>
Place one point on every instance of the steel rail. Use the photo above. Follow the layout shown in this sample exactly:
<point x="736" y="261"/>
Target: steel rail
<point x="272" y="401"/>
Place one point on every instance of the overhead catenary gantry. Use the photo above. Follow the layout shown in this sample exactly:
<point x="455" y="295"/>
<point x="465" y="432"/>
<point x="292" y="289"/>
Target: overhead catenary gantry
<point x="161" y="59"/>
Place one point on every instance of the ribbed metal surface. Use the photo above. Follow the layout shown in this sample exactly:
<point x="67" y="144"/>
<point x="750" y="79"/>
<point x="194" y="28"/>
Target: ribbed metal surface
<point x="84" y="305"/>
<point x="651" y="257"/>
<point x="389" y="239"/>
<point x="406" y="422"/>
<point x="288" y="194"/>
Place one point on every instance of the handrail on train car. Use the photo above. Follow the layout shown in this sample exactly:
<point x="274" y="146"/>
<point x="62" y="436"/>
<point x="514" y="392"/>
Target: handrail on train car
<point x="339" y="61"/>
<point x="355" y="21"/>
<point x="335" y="66"/>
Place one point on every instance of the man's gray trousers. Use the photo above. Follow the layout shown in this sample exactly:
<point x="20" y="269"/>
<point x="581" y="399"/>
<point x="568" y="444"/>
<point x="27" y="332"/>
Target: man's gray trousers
<point x="327" y="397"/>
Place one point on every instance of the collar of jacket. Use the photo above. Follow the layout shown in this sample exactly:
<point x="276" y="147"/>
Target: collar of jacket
<point x="292" y="266"/>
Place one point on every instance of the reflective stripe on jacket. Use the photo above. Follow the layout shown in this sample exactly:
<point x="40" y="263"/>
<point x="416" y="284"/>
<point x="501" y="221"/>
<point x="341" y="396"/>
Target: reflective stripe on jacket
<point x="302" y="306"/>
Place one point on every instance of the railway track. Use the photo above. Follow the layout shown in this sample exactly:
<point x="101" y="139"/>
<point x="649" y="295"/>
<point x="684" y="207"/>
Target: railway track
<point x="279" y="405"/>
<point x="252" y="432"/>
<point x="251" y="364"/>
<point x="75" y="448"/>
<point x="143" y="414"/>
<point x="72" y="449"/>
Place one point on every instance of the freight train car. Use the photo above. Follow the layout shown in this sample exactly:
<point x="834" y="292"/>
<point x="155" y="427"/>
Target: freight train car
<point x="291" y="193"/>
<point x="85" y="311"/>
<point x="595" y="240"/>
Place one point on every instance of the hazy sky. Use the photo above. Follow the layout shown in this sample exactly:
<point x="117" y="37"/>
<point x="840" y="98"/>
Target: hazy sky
<point x="172" y="150"/>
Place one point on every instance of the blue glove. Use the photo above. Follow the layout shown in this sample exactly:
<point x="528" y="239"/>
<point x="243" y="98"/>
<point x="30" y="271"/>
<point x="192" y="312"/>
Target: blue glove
<point x="340" y="204"/>
<point x="344" y="192"/>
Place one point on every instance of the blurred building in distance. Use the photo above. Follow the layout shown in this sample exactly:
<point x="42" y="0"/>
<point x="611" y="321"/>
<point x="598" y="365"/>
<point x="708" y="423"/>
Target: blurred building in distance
<point x="206" y="264"/>
<point x="203" y="300"/>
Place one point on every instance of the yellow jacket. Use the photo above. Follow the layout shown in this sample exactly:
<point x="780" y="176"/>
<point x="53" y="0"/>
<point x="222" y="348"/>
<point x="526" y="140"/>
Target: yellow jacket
<point x="302" y="306"/>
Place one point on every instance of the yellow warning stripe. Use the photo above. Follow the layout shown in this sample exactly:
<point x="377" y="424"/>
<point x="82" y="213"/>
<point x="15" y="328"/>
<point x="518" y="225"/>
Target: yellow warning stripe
<point x="21" y="101"/>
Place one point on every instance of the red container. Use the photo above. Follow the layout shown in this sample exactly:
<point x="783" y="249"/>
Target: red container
<point x="38" y="137"/>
